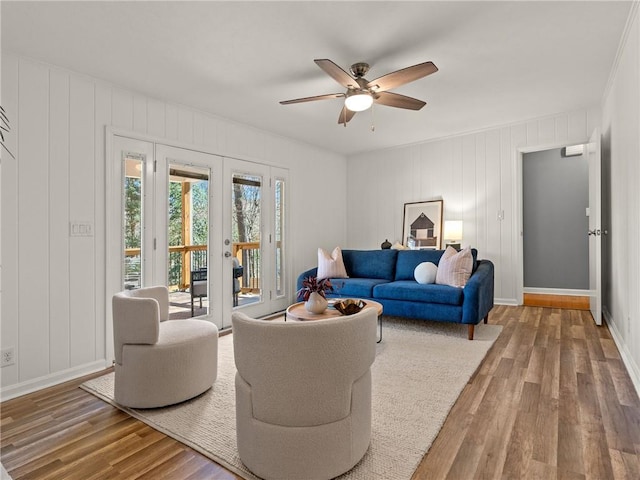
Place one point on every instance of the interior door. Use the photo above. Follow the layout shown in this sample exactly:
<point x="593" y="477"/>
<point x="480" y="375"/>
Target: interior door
<point x="595" y="228"/>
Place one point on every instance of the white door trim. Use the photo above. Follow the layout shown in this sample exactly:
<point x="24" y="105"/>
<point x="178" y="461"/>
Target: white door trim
<point x="518" y="209"/>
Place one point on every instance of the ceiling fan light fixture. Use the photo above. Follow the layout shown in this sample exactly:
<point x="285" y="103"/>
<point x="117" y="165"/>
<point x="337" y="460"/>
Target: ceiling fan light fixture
<point x="358" y="101"/>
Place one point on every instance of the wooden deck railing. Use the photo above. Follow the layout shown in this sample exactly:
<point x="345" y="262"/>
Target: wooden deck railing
<point x="184" y="258"/>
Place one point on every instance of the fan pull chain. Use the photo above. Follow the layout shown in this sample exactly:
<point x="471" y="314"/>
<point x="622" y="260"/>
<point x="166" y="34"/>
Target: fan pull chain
<point x="373" y="119"/>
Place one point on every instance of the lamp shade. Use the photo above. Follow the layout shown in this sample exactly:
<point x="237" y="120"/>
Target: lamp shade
<point x="453" y="230"/>
<point x="358" y="101"/>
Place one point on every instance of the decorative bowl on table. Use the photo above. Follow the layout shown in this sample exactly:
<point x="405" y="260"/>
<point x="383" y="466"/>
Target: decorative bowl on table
<point x="349" y="306"/>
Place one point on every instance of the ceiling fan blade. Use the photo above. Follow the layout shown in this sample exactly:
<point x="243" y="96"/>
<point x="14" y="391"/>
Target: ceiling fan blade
<point x="312" y="99"/>
<point x="337" y="73"/>
<point x="400" y="101"/>
<point x="400" y="77"/>
<point x="345" y="116"/>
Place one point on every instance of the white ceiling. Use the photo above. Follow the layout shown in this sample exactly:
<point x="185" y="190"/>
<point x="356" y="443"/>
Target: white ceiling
<point x="499" y="62"/>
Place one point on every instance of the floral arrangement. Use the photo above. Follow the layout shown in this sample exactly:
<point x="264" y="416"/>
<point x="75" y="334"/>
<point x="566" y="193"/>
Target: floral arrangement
<point x="312" y="284"/>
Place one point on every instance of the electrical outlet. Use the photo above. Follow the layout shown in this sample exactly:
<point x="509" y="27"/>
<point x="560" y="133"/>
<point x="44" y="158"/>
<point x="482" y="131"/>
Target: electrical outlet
<point x="7" y="357"/>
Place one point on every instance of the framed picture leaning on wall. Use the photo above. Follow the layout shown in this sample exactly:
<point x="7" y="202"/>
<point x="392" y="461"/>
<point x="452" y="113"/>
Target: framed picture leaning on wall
<point x="422" y="225"/>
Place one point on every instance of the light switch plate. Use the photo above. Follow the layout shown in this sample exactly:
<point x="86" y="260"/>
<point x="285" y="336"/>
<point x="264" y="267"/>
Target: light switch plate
<point x="81" y="229"/>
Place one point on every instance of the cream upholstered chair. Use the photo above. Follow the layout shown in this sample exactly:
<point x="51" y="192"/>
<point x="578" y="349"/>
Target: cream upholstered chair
<point x="303" y="394"/>
<point x="159" y="361"/>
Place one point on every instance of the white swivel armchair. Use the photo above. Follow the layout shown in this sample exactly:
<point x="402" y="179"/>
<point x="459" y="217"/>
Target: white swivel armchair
<point x="303" y="394"/>
<point x="159" y="362"/>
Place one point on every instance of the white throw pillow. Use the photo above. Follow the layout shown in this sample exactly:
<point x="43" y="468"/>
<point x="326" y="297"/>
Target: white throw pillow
<point x="331" y="266"/>
<point x="455" y="267"/>
<point x="425" y="272"/>
<point x="398" y="246"/>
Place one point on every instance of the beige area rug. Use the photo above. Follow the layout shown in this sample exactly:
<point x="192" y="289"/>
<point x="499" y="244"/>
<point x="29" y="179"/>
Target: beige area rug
<point x="419" y="372"/>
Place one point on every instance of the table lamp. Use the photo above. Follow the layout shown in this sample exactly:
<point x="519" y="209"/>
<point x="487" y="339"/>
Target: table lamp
<point x="453" y="233"/>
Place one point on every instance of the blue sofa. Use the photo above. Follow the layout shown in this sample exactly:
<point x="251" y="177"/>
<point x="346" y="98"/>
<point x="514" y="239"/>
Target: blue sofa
<point x="386" y="276"/>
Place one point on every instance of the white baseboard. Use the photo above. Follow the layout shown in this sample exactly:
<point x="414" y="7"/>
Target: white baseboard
<point x="632" y="367"/>
<point x="506" y="301"/>
<point x="19" y="389"/>
<point x="558" y="291"/>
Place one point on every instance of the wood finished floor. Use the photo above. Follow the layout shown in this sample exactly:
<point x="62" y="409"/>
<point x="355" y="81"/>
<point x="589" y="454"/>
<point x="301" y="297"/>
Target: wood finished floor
<point x="552" y="400"/>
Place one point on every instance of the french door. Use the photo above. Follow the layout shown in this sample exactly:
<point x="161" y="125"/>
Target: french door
<point x="174" y="213"/>
<point x="188" y="205"/>
<point x="254" y="227"/>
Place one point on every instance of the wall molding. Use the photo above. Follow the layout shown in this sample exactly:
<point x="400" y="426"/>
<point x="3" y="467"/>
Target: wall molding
<point x="632" y="368"/>
<point x="30" y="386"/>
<point x="621" y="46"/>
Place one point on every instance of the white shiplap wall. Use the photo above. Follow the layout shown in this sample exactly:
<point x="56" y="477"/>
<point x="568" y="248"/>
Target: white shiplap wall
<point x="53" y="298"/>
<point x="621" y="158"/>
<point x="475" y="175"/>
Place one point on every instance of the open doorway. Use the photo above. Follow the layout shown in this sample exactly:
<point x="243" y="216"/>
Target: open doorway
<point x="555" y="222"/>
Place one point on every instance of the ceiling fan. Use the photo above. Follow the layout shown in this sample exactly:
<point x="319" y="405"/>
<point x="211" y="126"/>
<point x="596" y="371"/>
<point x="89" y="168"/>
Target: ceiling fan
<point x="362" y="93"/>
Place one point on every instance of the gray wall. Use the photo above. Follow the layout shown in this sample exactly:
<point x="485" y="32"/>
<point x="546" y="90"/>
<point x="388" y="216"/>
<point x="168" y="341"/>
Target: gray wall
<point x="555" y="197"/>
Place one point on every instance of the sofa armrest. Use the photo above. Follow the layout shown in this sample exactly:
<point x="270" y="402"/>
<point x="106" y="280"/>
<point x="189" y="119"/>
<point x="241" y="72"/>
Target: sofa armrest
<point x="312" y="272"/>
<point x="478" y="293"/>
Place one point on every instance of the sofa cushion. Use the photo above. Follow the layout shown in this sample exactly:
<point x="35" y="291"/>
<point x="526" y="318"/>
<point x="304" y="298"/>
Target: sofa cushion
<point x="355" y="287"/>
<point x="370" y="263"/>
<point x="408" y="260"/>
<point x="412" y="291"/>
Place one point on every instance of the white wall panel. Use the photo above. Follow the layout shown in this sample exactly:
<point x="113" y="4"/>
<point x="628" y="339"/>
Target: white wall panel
<point x="547" y="131"/>
<point x="185" y="125"/>
<point x="122" y="109"/>
<point x="198" y="128"/>
<point x="210" y="134"/>
<point x="9" y="327"/>
<point x="82" y="209"/>
<point x="562" y="128"/>
<point x="468" y="182"/>
<point x="140" y="114"/>
<point x="621" y="128"/>
<point x="493" y="184"/>
<point x="155" y="118"/>
<point x="505" y="265"/>
<point x="577" y="125"/>
<point x="532" y="134"/>
<point x="59" y="219"/>
<point x="481" y="193"/>
<point x="33" y="221"/>
<point x="102" y="117"/>
<point x="171" y="122"/>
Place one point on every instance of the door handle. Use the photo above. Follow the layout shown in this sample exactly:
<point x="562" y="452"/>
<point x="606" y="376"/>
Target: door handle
<point x="594" y="232"/>
<point x="227" y="254"/>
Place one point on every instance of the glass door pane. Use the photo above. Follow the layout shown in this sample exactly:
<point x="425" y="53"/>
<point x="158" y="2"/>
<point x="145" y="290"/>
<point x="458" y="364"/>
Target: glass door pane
<point x="246" y="238"/>
<point x="188" y="240"/>
<point x="279" y="243"/>
<point x="132" y="218"/>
